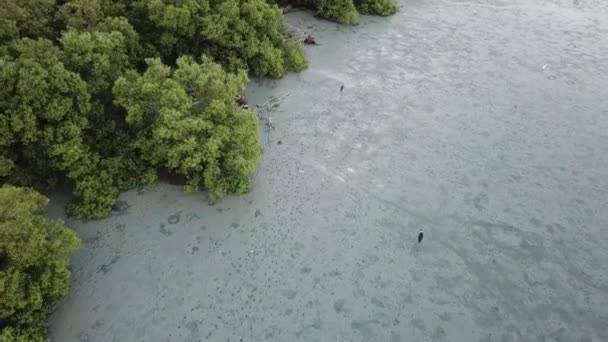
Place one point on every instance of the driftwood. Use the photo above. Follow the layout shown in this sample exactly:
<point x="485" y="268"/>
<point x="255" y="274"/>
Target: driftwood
<point x="241" y="100"/>
<point x="298" y="35"/>
<point x="287" y="9"/>
<point x="310" y="40"/>
<point x="271" y="104"/>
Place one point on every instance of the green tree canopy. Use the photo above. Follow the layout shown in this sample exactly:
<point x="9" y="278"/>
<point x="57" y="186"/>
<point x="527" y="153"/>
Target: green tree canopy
<point x="27" y="19"/>
<point x="34" y="253"/>
<point x="43" y="110"/>
<point x="344" y="11"/>
<point x="378" y="7"/>
<point x="240" y="34"/>
<point x="99" y="57"/>
<point x="188" y="122"/>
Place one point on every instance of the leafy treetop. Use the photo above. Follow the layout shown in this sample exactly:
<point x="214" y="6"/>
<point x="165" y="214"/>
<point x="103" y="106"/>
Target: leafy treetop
<point x="34" y="253"/>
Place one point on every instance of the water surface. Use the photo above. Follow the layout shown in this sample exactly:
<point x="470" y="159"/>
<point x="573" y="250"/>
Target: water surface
<point x="482" y="123"/>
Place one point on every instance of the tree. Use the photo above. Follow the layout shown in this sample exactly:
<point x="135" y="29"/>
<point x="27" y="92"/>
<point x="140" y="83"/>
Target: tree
<point x="82" y="15"/>
<point x="98" y="57"/>
<point x="43" y="108"/>
<point x="188" y="122"/>
<point x="378" y="7"/>
<point x="45" y="111"/>
<point x="344" y="11"/>
<point x="34" y="253"/>
<point x="240" y="34"/>
<point x="27" y="19"/>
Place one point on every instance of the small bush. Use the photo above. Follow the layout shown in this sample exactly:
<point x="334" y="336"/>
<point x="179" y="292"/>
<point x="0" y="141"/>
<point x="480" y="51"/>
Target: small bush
<point x="342" y="11"/>
<point x="377" y="7"/>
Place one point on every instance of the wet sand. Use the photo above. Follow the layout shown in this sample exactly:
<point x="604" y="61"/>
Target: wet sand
<point x="482" y="123"/>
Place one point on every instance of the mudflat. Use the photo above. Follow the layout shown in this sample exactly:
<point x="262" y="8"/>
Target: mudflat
<point x="481" y="123"/>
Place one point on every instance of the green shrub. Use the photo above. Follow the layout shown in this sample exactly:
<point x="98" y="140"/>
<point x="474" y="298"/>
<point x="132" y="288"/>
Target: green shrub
<point x="34" y="253"/>
<point x="188" y="122"/>
<point x="377" y="7"/>
<point x="342" y="11"/>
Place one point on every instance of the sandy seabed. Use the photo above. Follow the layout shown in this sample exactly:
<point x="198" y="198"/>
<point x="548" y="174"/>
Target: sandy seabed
<point x="482" y="123"/>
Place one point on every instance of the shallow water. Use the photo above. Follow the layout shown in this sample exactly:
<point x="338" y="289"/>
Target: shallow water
<point x="482" y="123"/>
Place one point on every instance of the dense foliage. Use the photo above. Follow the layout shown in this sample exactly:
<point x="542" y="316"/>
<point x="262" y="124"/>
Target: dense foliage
<point x="34" y="255"/>
<point x="345" y="11"/>
<point x="186" y="122"/>
<point x="377" y="7"/>
<point x="101" y="95"/>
